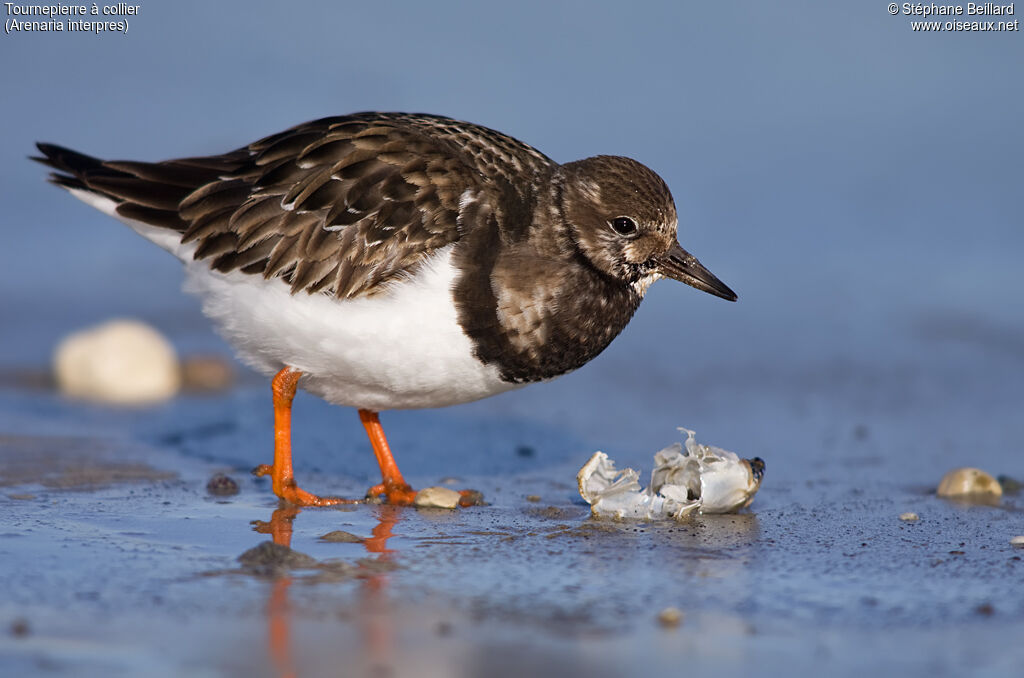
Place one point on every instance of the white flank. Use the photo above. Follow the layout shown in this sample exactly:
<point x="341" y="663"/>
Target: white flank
<point x="400" y="349"/>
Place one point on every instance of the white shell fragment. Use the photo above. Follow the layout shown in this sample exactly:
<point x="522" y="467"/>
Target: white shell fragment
<point x="703" y="478"/>
<point x="124" y="362"/>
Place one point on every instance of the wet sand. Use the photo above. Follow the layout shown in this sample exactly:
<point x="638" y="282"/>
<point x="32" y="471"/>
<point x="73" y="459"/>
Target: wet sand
<point x="116" y="560"/>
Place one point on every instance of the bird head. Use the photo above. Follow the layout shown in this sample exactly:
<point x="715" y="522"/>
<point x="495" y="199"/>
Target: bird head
<point x="623" y="218"/>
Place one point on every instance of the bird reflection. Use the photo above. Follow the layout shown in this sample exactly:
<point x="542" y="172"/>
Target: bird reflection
<point x="373" y="614"/>
<point x="278" y="614"/>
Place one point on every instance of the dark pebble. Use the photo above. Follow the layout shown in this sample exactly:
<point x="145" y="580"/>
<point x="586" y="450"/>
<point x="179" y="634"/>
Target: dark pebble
<point x="269" y="557"/>
<point x="221" y="485"/>
<point x="472" y="498"/>
<point x="1010" y="485"/>
<point x="341" y="537"/>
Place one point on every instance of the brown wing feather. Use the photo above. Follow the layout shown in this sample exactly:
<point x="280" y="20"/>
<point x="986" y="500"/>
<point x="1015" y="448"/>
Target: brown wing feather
<point x="339" y="206"/>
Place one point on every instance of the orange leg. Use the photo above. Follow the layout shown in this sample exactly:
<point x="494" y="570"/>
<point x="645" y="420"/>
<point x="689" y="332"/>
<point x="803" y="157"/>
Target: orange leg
<point x="280" y="472"/>
<point x="392" y="485"/>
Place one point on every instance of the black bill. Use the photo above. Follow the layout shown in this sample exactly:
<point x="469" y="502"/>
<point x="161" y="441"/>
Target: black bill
<point x="680" y="265"/>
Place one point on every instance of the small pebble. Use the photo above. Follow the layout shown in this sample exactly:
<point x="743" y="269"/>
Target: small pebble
<point x="342" y="537"/>
<point x="471" y="498"/>
<point x="1010" y="485"/>
<point x="206" y="373"/>
<point x="20" y="628"/>
<point x="1017" y="542"/>
<point x="122" y="362"/>
<point x="533" y="498"/>
<point x="909" y="517"/>
<point x="964" y="483"/>
<point x="221" y="485"/>
<point x="437" y="497"/>
<point x="268" y="558"/>
<point x="670" y="617"/>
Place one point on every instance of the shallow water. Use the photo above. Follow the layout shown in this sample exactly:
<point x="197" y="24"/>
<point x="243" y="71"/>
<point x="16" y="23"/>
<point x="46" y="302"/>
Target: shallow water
<point x="144" y="572"/>
<point x="856" y="183"/>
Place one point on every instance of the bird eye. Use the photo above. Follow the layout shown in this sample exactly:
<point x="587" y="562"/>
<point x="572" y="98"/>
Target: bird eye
<point x="623" y="226"/>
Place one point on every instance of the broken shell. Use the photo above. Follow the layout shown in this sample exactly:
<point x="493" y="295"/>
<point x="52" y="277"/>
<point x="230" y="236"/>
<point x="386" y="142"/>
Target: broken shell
<point x="727" y="483"/>
<point x="123" y="362"/>
<point x="707" y="478"/>
<point x="909" y="517"/>
<point x="437" y="497"/>
<point x="969" y="482"/>
<point x="617" y="494"/>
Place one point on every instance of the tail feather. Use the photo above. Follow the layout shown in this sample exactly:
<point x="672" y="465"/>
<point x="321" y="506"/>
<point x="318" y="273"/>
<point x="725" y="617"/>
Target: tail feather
<point x="66" y="160"/>
<point x="140" y="191"/>
<point x="71" y="165"/>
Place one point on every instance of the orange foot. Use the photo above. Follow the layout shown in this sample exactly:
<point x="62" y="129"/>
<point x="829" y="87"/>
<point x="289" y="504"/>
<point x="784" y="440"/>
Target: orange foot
<point x="286" y="489"/>
<point x="396" y="495"/>
<point x="393" y="486"/>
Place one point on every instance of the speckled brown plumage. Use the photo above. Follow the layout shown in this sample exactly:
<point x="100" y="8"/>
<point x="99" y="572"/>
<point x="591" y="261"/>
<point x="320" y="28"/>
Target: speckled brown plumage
<point x="339" y="205"/>
<point x="547" y="272"/>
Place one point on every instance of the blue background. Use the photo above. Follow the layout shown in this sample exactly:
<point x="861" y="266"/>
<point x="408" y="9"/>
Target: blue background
<point x="857" y="183"/>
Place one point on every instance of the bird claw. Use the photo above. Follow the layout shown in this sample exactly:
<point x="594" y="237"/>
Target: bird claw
<point x="288" y="491"/>
<point x="396" y="494"/>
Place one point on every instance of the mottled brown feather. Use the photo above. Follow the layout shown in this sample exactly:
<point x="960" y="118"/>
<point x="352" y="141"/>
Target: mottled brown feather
<point x="340" y="205"/>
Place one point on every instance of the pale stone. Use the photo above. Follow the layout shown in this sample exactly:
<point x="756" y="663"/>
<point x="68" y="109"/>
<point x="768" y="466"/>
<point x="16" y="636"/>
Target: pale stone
<point x="968" y="482"/>
<point x="437" y="497"/>
<point x="122" y="362"/>
<point x="670" y="617"/>
<point x="909" y="517"/>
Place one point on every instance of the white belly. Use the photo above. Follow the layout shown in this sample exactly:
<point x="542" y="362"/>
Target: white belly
<point x="400" y="349"/>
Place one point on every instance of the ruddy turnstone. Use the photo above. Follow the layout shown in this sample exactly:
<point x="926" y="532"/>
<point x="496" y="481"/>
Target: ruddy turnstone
<point x="390" y="260"/>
